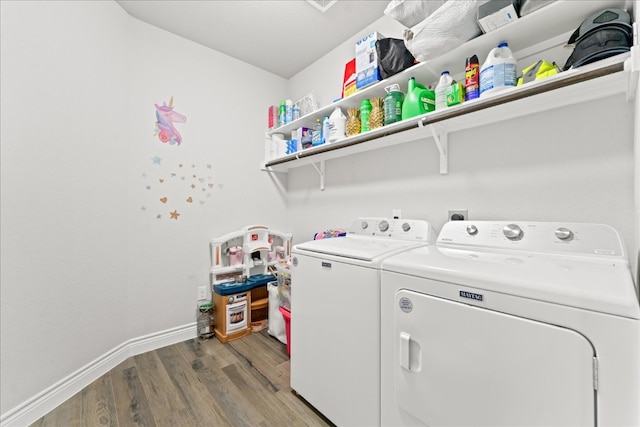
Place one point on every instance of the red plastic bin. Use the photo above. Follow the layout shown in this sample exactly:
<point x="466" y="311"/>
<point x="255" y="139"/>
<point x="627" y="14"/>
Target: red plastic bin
<point x="287" y="327"/>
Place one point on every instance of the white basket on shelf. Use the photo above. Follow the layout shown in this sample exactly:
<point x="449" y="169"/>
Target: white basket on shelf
<point x="307" y="104"/>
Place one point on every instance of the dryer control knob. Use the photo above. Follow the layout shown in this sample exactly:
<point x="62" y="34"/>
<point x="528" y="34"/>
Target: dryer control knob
<point x="472" y="230"/>
<point x="564" y="233"/>
<point x="383" y="226"/>
<point x="406" y="227"/>
<point x="512" y="232"/>
<point x="364" y="225"/>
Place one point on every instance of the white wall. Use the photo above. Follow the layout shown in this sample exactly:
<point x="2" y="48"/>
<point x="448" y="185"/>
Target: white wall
<point x="551" y="166"/>
<point x="517" y="171"/>
<point x="324" y="77"/>
<point x="86" y="263"/>
<point x="636" y="12"/>
<point x="85" y="268"/>
<point x="226" y="103"/>
<point x="64" y="180"/>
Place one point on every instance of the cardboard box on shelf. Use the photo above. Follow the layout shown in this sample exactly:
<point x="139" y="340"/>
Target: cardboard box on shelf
<point x="367" y="70"/>
<point x="349" y="79"/>
<point x="303" y="137"/>
<point x="455" y="94"/>
<point x="495" y="14"/>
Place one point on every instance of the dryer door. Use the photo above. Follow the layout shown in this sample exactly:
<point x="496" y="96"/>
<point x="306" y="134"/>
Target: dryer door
<point x="457" y="364"/>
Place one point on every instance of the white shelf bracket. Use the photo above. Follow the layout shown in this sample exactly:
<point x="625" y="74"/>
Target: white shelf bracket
<point x="320" y="172"/>
<point x="442" y="142"/>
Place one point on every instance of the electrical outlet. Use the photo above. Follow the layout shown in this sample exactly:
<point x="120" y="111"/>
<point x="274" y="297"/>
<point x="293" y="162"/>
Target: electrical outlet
<point x="458" y="215"/>
<point x="202" y="292"/>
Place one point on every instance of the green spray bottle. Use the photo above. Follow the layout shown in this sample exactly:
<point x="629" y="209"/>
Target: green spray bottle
<point x="365" y="110"/>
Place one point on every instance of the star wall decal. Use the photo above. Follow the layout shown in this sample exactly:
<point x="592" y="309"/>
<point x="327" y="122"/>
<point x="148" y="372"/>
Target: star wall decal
<point x="196" y="190"/>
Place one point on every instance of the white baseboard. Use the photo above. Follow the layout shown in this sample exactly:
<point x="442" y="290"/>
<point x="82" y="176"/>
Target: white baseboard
<point x="47" y="400"/>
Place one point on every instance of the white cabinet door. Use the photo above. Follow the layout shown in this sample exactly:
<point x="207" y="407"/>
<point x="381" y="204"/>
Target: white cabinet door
<point x="461" y="365"/>
<point x="335" y="339"/>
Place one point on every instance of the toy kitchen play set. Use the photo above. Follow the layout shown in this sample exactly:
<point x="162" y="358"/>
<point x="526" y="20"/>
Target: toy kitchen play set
<point x="242" y="263"/>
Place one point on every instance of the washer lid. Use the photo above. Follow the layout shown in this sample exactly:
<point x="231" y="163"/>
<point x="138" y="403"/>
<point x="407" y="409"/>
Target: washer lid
<point x="369" y="238"/>
<point x="356" y="247"/>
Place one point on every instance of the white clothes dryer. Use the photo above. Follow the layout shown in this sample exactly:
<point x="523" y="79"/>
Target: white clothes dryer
<point x="335" y="316"/>
<point x="511" y="324"/>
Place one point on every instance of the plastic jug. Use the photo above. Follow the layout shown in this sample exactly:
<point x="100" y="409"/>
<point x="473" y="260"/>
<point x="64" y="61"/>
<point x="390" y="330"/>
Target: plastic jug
<point x="325" y="129"/>
<point x="393" y="104"/>
<point x="337" y="125"/>
<point x="499" y="70"/>
<point x="441" y="90"/>
<point x="419" y="100"/>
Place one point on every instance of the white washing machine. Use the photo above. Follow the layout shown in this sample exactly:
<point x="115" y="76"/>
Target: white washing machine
<point x="511" y="324"/>
<point x="335" y="316"/>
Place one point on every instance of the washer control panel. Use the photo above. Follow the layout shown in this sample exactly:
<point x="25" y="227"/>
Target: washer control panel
<point x="571" y="238"/>
<point x="403" y="229"/>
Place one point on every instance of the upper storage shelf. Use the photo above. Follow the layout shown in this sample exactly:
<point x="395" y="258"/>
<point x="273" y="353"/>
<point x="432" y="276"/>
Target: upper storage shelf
<point x="539" y="35"/>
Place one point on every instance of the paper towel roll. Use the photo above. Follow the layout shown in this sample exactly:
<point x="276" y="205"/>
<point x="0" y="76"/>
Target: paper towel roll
<point x="279" y="145"/>
<point x="269" y="152"/>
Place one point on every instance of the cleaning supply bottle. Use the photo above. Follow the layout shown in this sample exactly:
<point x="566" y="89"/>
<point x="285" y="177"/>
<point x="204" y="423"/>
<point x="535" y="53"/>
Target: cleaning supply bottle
<point x="316" y="138"/>
<point x="337" y="125"/>
<point x="365" y="110"/>
<point x="393" y="104"/>
<point x="498" y="71"/>
<point x="471" y="78"/>
<point x="419" y="100"/>
<point x="441" y="90"/>
<point x="288" y="111"/>
<point x="325" y="130"/>
<point x="282" y="114"/>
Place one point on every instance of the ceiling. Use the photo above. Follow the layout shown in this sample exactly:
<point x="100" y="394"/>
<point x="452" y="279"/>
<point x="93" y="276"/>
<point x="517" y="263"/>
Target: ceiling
<point x="279" y="36"/>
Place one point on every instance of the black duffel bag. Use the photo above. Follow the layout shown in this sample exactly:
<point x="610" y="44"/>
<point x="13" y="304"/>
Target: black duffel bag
<point x="393" y="57"/>
<point x="603" y="34"/>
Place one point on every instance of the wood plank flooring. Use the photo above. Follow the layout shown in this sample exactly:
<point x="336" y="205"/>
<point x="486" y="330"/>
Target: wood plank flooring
<point x="193" y="383"/>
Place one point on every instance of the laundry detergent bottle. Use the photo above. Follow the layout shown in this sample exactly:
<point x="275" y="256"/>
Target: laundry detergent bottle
<point x="419" y="100"/>
<point x="337" y="125"/>
<point x="393" y="104"/>
<point x="441" y="90"/>
<point x="499" y="70"/>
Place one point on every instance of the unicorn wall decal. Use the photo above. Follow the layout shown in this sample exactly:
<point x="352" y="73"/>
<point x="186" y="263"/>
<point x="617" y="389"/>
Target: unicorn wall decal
<point x="165" y="130"/>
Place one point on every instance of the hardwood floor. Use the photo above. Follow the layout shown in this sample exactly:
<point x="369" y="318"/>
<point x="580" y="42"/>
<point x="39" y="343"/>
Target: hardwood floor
<point x="193" y="383"/>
